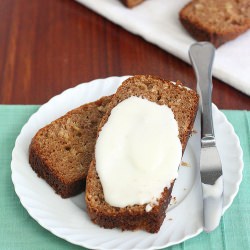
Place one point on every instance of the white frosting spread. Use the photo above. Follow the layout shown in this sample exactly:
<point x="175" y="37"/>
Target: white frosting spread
<point x="138" y="152"/>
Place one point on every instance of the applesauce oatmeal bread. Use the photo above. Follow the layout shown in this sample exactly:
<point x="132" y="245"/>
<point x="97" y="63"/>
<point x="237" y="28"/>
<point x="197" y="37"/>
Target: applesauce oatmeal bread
<point x="61" y="152"/>
<point x="216" y="21"/>
<point x="184" y="104"/>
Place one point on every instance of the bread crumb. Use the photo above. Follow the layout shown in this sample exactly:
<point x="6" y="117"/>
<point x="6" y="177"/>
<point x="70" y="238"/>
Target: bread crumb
<point x="193" y="132"/>
<point x="185" y="164"/>
<point x="173" y="201"/>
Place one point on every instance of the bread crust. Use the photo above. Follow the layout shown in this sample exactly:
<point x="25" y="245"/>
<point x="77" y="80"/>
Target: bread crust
<point x="136" y="217"/>
<point x="55" y="170"/>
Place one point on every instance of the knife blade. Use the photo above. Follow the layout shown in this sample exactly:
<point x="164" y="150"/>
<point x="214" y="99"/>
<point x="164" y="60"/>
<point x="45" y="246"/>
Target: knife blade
<point x="202" y="55"/>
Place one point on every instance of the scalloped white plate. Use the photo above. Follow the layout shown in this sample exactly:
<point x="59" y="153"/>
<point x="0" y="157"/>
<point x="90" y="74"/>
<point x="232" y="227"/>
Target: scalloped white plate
<point x="67" y="218"/>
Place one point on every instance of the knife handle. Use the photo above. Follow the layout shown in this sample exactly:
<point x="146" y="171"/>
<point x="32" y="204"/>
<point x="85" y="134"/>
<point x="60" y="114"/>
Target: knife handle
<point x="202" y="56"/>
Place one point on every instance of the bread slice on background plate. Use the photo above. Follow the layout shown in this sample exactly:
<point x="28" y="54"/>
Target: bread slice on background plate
<point x="184" y="104"/>
<point x="216" y="21"/>
<point x="61" y="152"/>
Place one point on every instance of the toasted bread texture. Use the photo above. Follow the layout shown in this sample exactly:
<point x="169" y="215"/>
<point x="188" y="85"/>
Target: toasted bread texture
<point x="184" y="104"/>
<point x="61" y="152"/>
<point x="216" y="21"/>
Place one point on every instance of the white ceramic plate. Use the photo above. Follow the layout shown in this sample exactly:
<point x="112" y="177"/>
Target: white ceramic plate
<point x="67" y="218"/>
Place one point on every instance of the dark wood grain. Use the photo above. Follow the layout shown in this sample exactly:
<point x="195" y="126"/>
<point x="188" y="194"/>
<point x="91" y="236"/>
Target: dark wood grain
<point x="47" y="46"/>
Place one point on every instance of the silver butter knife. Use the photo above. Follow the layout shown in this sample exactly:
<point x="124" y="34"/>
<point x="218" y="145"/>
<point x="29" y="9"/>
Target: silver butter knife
<point x="202" y="55"/>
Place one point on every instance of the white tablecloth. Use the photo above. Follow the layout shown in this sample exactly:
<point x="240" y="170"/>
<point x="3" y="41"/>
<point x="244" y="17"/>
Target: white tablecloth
<point x="157" y="22"/>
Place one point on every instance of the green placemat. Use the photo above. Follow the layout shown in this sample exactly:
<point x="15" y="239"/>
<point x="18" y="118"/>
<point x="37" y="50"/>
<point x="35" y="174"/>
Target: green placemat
<point x="19" y="231"/>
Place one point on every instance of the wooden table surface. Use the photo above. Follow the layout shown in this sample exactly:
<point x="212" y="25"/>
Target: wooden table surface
<point x="47" y="46"/>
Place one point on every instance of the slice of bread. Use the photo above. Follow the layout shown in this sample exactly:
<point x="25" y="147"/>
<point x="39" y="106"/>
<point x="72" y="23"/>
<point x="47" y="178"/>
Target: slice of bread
<point x="216" y="21"/>
<point x="61" y="152"/>
<point x="184" y="104"/>
<point x="132" y="3"/>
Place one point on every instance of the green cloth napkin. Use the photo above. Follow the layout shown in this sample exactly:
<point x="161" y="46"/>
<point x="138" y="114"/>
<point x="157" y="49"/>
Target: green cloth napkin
<point x="19" y="231"/>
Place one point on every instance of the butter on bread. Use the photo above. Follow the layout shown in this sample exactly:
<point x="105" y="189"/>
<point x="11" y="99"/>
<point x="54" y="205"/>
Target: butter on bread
<point x="184" y="104"/>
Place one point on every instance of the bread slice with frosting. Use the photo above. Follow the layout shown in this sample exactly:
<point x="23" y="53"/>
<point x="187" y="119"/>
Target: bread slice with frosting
<point x="184" y="104"/>
<point x="61" y="152"/>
